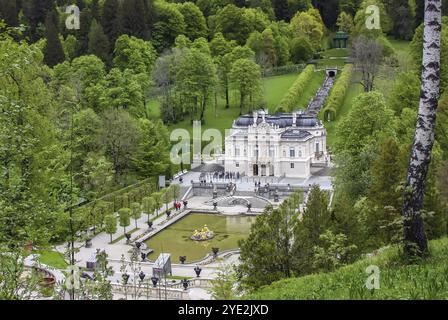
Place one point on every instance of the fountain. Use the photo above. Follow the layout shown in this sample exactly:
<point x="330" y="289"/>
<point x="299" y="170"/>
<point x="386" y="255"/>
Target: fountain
<point x="203" y="235"/>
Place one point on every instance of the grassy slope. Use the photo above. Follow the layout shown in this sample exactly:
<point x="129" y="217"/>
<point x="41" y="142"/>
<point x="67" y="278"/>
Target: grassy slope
<point x="425" y="280"/>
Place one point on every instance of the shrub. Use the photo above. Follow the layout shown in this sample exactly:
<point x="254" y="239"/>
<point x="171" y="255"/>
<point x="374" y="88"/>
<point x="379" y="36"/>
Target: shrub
<point x="337" y="94"/>
<point x="290" y="100"/>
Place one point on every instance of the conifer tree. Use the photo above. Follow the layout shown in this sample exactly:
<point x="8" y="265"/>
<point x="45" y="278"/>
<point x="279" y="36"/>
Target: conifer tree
<point x="111" y="21"/>
<point x="134" y="20"/>
<point x="53" y="52"/>
<point x="98" y="42"/>
<point x="9" y="12"/>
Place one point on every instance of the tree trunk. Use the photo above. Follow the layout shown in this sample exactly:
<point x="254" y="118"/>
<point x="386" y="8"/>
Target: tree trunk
<point x="204" y="101"/>
<point x="414" y="233"/>
<point x="241" y="102"/>
<point x="111" y="238"/>
<point x="227" y="96"/>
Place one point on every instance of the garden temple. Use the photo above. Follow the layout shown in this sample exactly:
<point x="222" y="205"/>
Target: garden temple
<point x="279" y="145"/>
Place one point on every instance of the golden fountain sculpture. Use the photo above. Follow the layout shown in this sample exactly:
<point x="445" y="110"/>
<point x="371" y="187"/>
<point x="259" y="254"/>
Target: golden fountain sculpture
<point x="203" y="235"/>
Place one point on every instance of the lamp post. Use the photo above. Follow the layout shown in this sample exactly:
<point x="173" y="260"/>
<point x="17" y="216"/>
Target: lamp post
<point x="198" y="270"/>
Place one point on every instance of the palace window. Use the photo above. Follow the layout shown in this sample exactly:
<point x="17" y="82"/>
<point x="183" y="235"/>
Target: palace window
<point x="292" y="152"/>
<point x="292" y="165"/>
<point x="237" y="164"/>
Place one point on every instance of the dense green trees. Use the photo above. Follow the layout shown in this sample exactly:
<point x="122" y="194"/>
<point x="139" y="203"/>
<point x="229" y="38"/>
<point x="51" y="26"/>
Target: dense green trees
<point x="197" y="79"/>
<point x="308" y="24"/>
<point x="368" y="121"/>
<point x="246" y="77"/>
<point x="267" y="253"/>
<point x="195" y="23"/>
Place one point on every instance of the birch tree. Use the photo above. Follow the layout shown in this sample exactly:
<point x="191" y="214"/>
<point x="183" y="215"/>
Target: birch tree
<point x="414" y="233"/>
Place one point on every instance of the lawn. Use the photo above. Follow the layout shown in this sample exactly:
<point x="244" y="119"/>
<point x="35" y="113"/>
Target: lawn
<point x="354" y="90"/>
<point x="276" y="87"/>
<point x="400" y="45"/>
<point x="337" y="53"/>
<point x="52" y="258"/>
<point x="221" y="118"/>
<point x="330" y="63"/>
<point x="426" y="279"/>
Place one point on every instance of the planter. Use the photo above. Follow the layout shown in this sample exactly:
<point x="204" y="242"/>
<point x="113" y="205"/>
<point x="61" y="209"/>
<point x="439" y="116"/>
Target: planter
<point x="88" y="243"/>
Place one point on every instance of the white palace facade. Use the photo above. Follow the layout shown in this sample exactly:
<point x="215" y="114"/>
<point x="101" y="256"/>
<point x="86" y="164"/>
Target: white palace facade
<point x="280" y="145"/>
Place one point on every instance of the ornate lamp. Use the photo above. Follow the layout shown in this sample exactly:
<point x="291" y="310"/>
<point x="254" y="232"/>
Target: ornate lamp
<point x="185" y="283"/>
<point x="154" y="281"/>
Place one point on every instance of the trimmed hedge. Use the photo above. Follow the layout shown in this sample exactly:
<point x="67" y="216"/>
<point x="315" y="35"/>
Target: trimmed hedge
<point x="290" y="100"/>
<point x="276" y="71"/>
<point x="337" y="94"/>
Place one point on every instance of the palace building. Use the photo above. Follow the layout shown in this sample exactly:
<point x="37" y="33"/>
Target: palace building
<point x="280" y="145"/>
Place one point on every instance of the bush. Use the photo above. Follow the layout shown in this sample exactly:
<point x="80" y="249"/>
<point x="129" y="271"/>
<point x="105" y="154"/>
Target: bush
<point x="290" y="100"/>
<point x="337" y="94"/>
